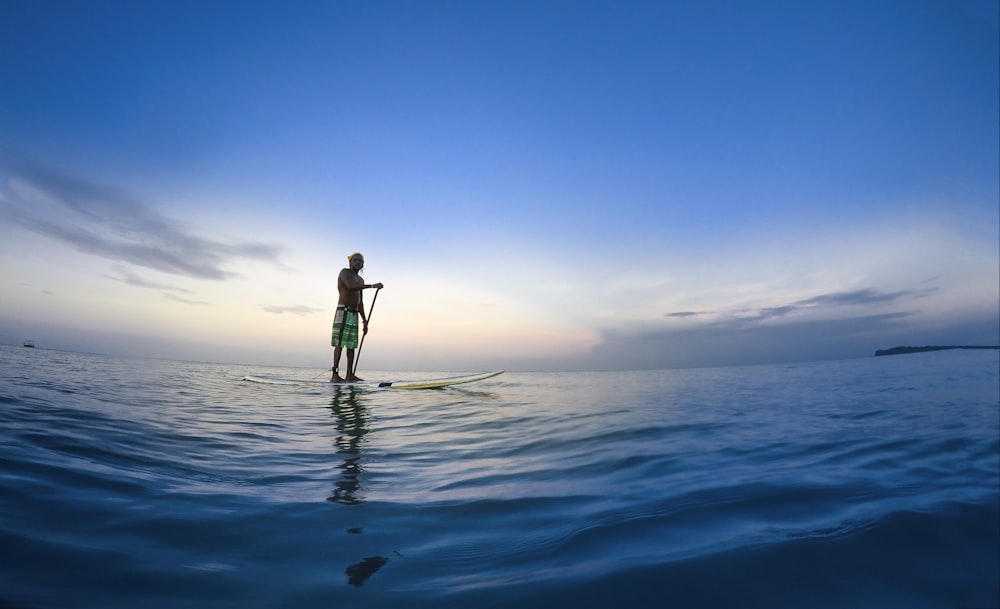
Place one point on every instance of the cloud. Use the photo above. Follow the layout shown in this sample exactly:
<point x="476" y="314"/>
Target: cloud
<point x="180" y="299"/>
<point x="685" y="314"/>
<point x="771" y="312"/>
<point x="819" y="304"/>
<point x="825" y="326"/>
<point x="862" y="297"/>
<point x="293" y="309"/>
<point x="126" y="276"/>
<point x="106" y="222"/>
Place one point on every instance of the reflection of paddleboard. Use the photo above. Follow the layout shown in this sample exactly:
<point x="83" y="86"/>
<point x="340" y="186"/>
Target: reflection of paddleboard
<point x="426" y="384"/>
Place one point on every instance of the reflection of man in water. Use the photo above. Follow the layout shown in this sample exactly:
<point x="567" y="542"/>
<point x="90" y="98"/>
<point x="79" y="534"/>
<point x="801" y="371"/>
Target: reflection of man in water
<point x="351" y="422"/>
<point x="358" y="573"/>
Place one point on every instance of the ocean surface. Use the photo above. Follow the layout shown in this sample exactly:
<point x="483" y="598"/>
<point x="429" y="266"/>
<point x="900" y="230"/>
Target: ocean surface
<point x="870" y="482"/>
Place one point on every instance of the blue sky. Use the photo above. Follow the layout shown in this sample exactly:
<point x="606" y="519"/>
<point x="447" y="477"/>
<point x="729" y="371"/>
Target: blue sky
<point x="539" y="185"/>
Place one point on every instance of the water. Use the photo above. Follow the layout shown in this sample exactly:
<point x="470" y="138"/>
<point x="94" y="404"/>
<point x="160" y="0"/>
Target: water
<point x="143" y="483"/>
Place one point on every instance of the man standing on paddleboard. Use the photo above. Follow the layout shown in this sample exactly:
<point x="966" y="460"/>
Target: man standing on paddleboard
<point x="350" y="305"/>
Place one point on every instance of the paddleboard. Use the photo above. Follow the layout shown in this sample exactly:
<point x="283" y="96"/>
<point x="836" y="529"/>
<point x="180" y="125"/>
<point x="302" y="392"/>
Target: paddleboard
<point x="421" y="384"/>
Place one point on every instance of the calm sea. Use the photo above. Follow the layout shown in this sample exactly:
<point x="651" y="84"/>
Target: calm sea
<point x="144" y="483"/>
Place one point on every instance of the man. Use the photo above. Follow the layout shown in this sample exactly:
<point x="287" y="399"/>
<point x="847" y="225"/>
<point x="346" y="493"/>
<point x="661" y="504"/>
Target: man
<point x="345" y="324"/>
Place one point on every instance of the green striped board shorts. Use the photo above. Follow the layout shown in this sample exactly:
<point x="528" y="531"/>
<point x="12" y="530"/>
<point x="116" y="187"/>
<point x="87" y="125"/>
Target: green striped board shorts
<point x="345" y="328"/>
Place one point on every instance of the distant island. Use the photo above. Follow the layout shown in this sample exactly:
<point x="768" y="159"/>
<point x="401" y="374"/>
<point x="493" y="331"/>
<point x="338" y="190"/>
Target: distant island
<point x="901" y="350"/>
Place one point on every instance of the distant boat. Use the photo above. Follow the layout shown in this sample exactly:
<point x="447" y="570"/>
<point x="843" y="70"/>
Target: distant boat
<point x="29" y="343"/>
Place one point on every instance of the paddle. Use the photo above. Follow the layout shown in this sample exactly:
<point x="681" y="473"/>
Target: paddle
<point x="357" y="355"/>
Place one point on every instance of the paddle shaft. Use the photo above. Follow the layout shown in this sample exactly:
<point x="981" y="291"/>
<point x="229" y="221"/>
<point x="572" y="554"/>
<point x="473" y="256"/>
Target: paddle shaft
<point x="357" y="356"/>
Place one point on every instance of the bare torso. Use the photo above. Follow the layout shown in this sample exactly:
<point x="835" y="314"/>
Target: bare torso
<point x="349" y="286"/>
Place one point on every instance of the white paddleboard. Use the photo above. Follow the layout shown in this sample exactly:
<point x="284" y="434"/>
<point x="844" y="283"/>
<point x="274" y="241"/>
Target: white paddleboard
<point x="424" y="384"/>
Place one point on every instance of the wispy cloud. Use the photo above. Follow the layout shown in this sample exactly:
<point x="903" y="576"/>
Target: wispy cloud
<point x="828" y="325"/>
<point x="187" y="301"/>
<point x="821" y="303"/>
<point x="292" y="309"/>
<point x="862" y="297"/>
<point x="126" y="276"/>
<point x="106" y="222"/>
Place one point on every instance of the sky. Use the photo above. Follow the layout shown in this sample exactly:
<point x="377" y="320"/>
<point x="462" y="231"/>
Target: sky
<point x="555" y="185"/>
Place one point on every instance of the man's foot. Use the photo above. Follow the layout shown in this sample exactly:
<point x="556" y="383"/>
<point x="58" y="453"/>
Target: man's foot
<point x="354" y="379"/>
<point x="335" y="378"/>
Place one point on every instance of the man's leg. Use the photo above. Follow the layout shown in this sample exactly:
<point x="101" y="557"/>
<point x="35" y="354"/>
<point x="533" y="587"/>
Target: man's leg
<point x="335" y="377"/>
<point x="350" y="366"/>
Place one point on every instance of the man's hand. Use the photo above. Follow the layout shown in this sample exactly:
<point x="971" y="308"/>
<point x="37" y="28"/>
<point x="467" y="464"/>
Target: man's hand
<point x="377" y="286"/>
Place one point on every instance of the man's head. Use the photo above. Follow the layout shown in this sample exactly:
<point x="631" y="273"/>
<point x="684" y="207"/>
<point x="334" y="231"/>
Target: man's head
<point x="356" y="261"/>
